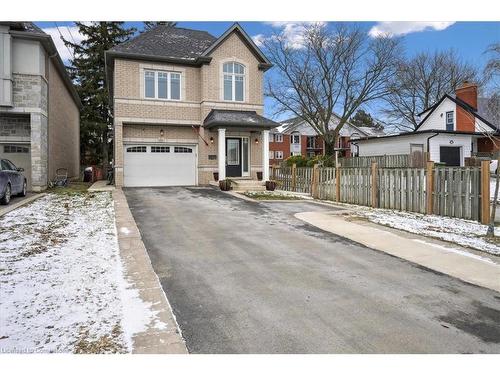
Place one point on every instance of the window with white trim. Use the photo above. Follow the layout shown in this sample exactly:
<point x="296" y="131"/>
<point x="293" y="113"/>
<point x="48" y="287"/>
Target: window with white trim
<point x="278" y="138"/>
<point x="234" y="81"/>
<point x="311" y="142"/>
<point x="162" y="85"/>
<point x="160" y="149"/>
<point x="450" y="122"/>
<point x="271" y="154"/>
<point x="136" y="149"/>
<point x="295" y="139"/>
<point x="278" y="154"/>
<point x="183" y="150"/>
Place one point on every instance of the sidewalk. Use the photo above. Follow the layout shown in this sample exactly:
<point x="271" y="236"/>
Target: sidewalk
<point x="436" y="255"/>
<point x="164" y="337"/>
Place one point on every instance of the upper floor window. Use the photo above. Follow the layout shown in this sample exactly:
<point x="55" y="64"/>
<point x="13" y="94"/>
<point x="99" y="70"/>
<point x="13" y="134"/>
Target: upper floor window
<point x="278" y="138"/>
<point x="234" y="81"/>
<point x="311" y="142"/>
<point x="162" y="85"/>
<point x="450" y="123"/>
<point x="295" y="139"/>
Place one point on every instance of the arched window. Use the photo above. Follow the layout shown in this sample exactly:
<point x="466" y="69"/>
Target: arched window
<point x="234" y="81"/>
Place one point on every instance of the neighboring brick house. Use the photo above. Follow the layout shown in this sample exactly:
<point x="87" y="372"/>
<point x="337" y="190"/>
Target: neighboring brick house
<point x="39" y="107"/>
<point x="295" y="137"/>
<point x="187" y="105"/>
<point x="450" y="131"/>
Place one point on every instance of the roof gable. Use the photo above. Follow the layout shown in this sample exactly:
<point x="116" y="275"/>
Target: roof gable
<point x="237" y="29"/>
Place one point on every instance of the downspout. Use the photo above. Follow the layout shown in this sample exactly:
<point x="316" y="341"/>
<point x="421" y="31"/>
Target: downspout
<point x="428" y="143"/>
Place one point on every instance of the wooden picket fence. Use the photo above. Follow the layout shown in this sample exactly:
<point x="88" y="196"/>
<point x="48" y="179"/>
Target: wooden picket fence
<point x="446" y="191"/>
<point x="383" y="161"/>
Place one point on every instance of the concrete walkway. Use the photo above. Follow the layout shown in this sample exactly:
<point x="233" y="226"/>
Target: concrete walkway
<point x="435" y="255"/>
<point x="17" y="202"/>
<point x="139" y="272"/>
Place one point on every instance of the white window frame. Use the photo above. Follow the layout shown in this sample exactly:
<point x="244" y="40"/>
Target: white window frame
<point x="233" y="82"/>
<point x="292" y="139"/>
<point x="452" y="120"/>
<point x="313" y="138"/>
<point x="279" y="155"/>
<point x="278" y="138"/>
<point x="271" y="155"/>
<point x="169" y="85"/>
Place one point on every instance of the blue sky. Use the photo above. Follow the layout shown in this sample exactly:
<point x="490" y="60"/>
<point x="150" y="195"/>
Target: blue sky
<point x="469" y="39"/>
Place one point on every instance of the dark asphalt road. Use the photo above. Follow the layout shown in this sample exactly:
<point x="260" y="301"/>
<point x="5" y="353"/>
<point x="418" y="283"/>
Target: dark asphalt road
<point x="246" y="277"/>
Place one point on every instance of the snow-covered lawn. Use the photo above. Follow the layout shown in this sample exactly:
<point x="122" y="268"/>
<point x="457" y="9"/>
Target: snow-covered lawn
<point x="462" y="232"/>
<point x="62" y="285"/>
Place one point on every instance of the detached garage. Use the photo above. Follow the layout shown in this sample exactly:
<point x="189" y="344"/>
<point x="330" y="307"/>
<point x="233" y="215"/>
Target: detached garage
<point x="159" y="165"/>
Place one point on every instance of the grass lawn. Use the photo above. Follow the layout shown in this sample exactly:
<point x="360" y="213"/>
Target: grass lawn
<point x="73" y="188"/>
<point x="271" y="196"/>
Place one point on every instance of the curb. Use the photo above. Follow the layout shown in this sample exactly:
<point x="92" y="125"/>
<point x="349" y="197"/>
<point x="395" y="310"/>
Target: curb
<point x="139" y="272"/>
<point x="25" y="201"/>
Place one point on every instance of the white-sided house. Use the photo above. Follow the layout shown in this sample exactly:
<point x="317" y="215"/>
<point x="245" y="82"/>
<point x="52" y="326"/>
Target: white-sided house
<point x="450" y="131"/>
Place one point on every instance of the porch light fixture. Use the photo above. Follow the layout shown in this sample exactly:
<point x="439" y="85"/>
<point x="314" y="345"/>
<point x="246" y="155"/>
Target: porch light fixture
<point x="161" y="133"/>
<point x="211" y="139"/>
<point x="256" y="141"/>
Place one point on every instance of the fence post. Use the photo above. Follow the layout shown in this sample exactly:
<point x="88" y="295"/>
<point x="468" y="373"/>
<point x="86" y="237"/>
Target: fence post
<point x="337" y="182"/>
<point x="273" y="173"/>
<point x="485" y="192"/>
<point x="314" y="181"/>
<point x="429" y="180"/>
<point x="374" y="184"/>
<point x="294" y="176"/>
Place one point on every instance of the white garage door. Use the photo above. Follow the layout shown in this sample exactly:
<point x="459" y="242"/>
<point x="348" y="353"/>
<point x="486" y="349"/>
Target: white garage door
<point x="20" y="155"/>
<point x="159" y="165"/>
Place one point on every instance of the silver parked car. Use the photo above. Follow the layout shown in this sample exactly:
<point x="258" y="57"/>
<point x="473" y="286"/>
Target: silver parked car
<point x="12" y="181"/>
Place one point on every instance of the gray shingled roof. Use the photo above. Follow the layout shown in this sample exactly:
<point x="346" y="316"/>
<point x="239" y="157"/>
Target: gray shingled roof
<point x="237" y="119"/>
<point x="168" y="41"/>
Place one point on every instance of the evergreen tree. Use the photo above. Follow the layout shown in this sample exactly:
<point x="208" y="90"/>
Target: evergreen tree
<point x="87" y="70"/>
<point x="362" y="118"/>
<point x="148" y="25"/>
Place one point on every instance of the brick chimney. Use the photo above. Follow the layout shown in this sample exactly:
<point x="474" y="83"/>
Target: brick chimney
<point x="467" y="93"/>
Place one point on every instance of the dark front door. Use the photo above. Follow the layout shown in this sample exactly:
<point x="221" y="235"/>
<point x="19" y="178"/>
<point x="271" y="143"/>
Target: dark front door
<point x="233" y="157"/>
<point x="450" y="156"/>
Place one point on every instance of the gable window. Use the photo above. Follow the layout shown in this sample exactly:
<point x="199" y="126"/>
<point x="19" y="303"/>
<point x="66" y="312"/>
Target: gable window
<point x="278" y="138"/>
<point x="234" y="81"/>
<point x="450" y="123"/>
<point x="162" y="85"/>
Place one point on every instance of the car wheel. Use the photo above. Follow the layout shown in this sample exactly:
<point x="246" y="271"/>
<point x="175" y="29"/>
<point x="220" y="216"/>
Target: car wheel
<point x="23" y="192"/>
<point x="6" y="196"/>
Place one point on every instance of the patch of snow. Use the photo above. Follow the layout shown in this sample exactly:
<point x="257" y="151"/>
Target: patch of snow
<point x="61" y="274"/>
<point x="124" y="230"/>
<point x="457" y="251"/>
<point x="462" y="232"/>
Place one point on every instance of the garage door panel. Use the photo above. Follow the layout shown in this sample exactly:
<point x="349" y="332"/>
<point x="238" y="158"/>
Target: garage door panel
<point x="20" y="155"/>
<point x="160" y="165"/>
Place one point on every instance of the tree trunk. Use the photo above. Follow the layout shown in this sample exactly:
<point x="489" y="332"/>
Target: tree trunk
<point x="329" y="147"/>
<point x="491" y="226"/>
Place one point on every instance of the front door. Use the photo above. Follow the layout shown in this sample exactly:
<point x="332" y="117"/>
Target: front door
<point x="233" y="157"/>
<point x="450" y="156"/>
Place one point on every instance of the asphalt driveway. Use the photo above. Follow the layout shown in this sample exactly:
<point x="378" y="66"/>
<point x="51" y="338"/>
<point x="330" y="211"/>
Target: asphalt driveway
<point x="245" y="277"/>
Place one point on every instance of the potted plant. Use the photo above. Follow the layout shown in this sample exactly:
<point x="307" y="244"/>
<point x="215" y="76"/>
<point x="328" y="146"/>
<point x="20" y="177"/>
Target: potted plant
<point x="270" y="185"/>
<point x="259" y="176"/>
<point x="225" y="185"/>
<point x="216" y="176"/>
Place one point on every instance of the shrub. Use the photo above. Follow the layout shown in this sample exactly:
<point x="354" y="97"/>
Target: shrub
<point x="299" y="160"/>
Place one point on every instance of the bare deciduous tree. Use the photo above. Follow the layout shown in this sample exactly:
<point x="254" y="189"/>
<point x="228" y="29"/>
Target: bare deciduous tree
<point x="334" y="69"/>
<point x="421" y="81"/>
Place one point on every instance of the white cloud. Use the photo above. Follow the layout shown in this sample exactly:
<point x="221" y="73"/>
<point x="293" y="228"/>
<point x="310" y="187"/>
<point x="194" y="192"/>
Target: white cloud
<point x="293" y="32"/>
<point x="403" y="28"/>
<point x="69" y="33"/>
<point x="259" y="39"/>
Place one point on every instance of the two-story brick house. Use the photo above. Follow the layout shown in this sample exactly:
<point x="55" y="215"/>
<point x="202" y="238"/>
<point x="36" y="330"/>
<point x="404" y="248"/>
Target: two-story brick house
<point x="187" y="105"/>
<point x="39" y="106"/>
